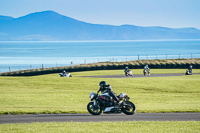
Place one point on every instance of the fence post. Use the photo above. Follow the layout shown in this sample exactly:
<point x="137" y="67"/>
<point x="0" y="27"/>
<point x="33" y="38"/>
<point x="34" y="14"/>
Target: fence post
<point x="42" y="66"/>
<point x="9" y="69"/>
<point x="191" y="55"/>
<point x="138" y="57"/>
<point x="179" y="56"/>
<point x="166" y="56"/>
<point x="156" y="56"/>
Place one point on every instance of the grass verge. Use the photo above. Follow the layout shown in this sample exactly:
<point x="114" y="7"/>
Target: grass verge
<point x="135" y="71"/>
<point x="106" y="127"/>
<point x="53" y="94"/>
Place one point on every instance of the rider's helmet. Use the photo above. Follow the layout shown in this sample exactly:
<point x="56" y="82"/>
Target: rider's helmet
<point x="102" y="83"/>
<point x="63" y="71"/>
<point x="190" y="66"/>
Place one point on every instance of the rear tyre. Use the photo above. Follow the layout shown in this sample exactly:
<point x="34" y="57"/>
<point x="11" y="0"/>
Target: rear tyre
<point x="126" y="74"/>
<point x="186" y="73"/>
<point x="128" y="108"/>
<point x="144" y="72"/>
<point x="94" y="110"/>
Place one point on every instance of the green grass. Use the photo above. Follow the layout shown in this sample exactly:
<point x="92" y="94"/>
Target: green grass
<point x="105" y="127"/>
<point x="52" y="94"/>
<point x="135" y="71"/>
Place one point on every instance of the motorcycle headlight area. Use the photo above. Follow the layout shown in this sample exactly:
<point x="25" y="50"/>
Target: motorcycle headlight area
<point x="91" y="97"/>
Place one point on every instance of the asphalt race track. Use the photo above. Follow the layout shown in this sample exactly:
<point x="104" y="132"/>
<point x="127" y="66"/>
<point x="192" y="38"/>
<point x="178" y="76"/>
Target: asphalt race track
<point x="141" y="75"/>
<point x="103" y="117"/>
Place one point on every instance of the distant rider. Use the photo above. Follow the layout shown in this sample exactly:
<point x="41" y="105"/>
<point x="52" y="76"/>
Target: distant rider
<point x="146" y="67"/>
<point x="126" y="69"/>
<point x="64" y="73"/>
<point x="190" y="69"/>
<point x="104" y="87"/>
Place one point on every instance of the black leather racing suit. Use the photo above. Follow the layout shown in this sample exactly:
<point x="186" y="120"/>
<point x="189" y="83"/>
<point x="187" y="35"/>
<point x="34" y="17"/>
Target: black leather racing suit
<point x="108" y="89"/>
<point x="126" y="70"/>
<point x="190" y="69"/>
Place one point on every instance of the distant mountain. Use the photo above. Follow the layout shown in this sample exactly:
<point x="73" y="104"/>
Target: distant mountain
<point x="51" y="26"/>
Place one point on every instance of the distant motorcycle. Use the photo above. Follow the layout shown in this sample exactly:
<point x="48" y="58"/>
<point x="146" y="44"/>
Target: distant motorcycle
<point x="104" y="103"/>
<point x="65" y="75"/>
<point x="128" y="73"/>
<point x="188" y="72"/>
<point x="146" y="72"/>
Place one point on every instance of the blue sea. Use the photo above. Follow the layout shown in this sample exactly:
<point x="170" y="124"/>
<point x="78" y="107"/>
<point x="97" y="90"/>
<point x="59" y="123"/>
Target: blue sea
<point x="21" y="55"/>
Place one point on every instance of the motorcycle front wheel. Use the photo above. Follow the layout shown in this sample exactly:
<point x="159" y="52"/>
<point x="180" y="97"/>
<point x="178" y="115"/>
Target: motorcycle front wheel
<point x="128" y="108"/>
<point x="94" y="109"/>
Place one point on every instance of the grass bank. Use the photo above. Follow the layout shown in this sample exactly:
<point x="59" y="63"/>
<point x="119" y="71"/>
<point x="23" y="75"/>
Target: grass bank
<point x="105" y="127"/>
<point x="53" y="94"/>
<point x="137" y="64"/>
<point x="135" y="71"/>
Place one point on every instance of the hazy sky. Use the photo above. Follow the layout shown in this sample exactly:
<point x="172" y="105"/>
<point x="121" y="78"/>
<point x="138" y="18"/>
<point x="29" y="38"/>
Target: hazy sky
<point x="167" y="13"/>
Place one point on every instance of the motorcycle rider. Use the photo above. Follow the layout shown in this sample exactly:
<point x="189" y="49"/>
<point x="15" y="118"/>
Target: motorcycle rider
<point x="190" y="69"/>
<point x="146" y="70"/>
<point x="64" y="73"/>
<point x="146" y="67"/>
<point x="104" y="87"/>
<point x="126" y="69"/>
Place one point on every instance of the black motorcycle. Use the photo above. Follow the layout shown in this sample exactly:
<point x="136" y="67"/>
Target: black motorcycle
<point x="106" y="104"/>
<point x="65" y="75"/>
<point x="188" y="72"/>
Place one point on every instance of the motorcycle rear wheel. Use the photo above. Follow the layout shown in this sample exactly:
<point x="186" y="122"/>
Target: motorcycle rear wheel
<point x="144" y="72"/>
<point x="94" y="110"/>
<point x="128" y="108"/>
